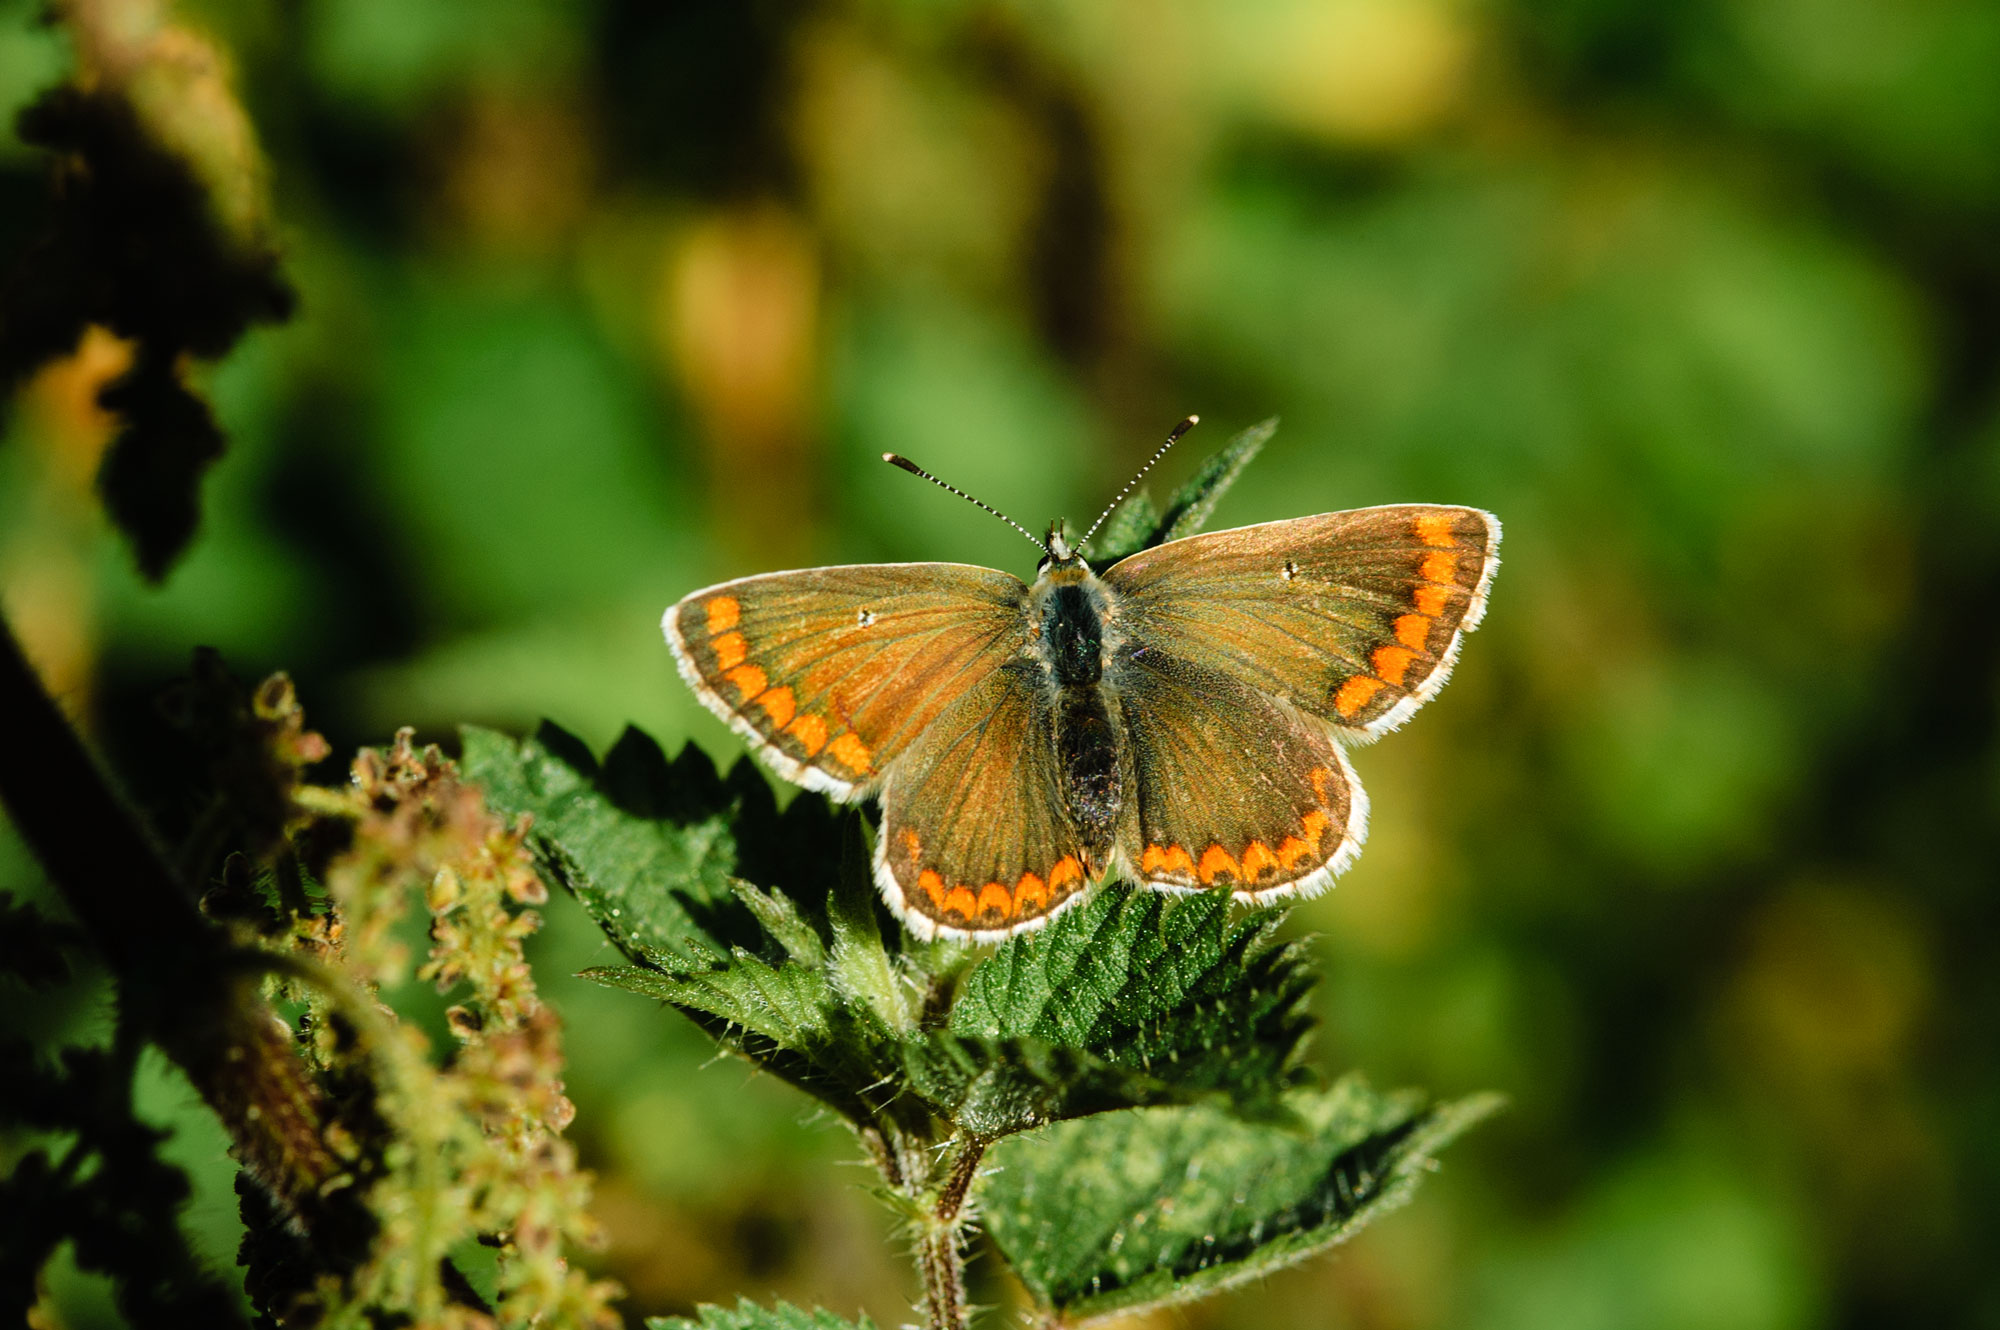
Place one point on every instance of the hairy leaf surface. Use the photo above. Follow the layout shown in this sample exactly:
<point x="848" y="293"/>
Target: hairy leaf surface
<point x="748" y="1315"/>
<point x="1165" y="1205"/>
<point x="1162" y="985"/>
<point x="654" y="848"/>
<point x="792" y="969"/>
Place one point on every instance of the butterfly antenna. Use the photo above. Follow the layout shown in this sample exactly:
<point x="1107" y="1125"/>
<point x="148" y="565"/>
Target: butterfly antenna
<point x="1172" y="439"/>
<point x="897" y="459"/>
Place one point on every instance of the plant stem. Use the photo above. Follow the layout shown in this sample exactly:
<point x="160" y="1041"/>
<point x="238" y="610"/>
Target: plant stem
<point x="940" y="1253"/>
<point x="176" y="972"/>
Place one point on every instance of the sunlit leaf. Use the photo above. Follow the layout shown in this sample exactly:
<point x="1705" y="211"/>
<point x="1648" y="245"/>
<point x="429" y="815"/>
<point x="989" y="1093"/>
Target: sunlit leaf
<point x="748" y="1315"/>
<point x="792" y="969"/>
<point x="651" y="848"/>
<point x="1161" y="985"/>
<point x="1131" y="1210"/>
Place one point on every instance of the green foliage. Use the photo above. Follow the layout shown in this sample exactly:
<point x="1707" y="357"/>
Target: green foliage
<point x="1132" y="1000"/>
<point x="96" y="1177"/>
<point x="1138" y="525"/>
<point x="748" y="1316"/>
<point x="650" y="847"/>
<point x="1164" y="985"/>
<point x="1708" y="325"/>
<point x="1165" y="1205"/>
<point x="1172" y="1003"/>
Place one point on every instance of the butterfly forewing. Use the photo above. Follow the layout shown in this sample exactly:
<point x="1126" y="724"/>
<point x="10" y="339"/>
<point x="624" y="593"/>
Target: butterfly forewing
<point x="833" y="672"/>
<point x="1354" y="616"/>
<point x="974" y="842"/>
<point x="1233" y="787"/>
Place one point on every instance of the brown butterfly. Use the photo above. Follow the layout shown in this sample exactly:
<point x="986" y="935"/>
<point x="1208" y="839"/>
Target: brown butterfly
<point x="1177" y="719"/>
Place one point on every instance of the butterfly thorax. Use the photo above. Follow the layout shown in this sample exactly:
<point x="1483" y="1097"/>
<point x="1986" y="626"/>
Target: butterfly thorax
<point x="1070" y="614"/>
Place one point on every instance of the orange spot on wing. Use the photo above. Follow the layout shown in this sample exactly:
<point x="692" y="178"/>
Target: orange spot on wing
<point x="1166" y="859"/>
<point x="995" y="897"/>
<point x="932" y="885"/>
<point x="1215" y="861"/>
<point x="850" y="752"/>
<point x="960" y="901"/>
<point x="1320" y="777"/>
<point x="1354" y="694"/>
<point x="1257" y="860"/>
<point x="723" y="614"/>
<point x="1414" y="631"/>
<point x="730" y="649"/>
<point x="1434" y="529"/>
<point x="1031" y="890"/>
<point x="1431" y="600"/>
<point x="810" y="731"/>
<point x="1290" y="850"/>
<point x="1439" y="567"/>
<point x="778" y="704"/>
<point x="1067" y="870"/>
<point x="912" y="844"/>
<point x="749" y="680"/>
<point x="1391" y="663"/>
<point x="1314" y="825"/>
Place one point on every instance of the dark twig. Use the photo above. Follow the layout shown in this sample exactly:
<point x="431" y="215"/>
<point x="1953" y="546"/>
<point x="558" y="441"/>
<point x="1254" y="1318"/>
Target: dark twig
<point x="179" y="974"/>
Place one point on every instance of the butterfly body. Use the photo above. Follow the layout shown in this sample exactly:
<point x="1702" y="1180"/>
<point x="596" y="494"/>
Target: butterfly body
<point x="1071" y="644"/>
<point x="1177" y="719"/>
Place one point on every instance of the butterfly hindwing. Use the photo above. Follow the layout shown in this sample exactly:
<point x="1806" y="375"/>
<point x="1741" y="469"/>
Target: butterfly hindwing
<point x="831" y="673"/>
<point x="974" y="842"/>
<point x="1231" y="785"/>
<point x="1354" y="616"/>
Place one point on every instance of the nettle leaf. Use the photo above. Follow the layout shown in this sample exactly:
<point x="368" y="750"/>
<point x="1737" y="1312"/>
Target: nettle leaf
<point x="1161" y="985"/>
<point x="1138" y="525"/>
<point x="749" y="1316"/>
<point x="654" y="849"/>
<point x="792" y="969"/>
<point x="1127" y="531"/>
<point x="990" y="1088"/>
<point x="798" y="1009"/>
<point x="1194" y="503"/>
<point x="1139" y="1209"/>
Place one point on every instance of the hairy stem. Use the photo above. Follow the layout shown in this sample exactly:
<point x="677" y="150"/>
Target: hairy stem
<point x="940" y="1249"/>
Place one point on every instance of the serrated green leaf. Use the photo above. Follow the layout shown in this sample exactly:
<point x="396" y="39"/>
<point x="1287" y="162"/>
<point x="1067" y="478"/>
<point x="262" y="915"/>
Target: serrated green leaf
<point x="1130" y="529"/>
<point x="654" y="849"/>
<point x="1138" y="525"/>
<point x="1194" y="503"/>
<point x="1132" y="1210"/>
<point x="861" y="969"/>
<point x="1160" y="985"/>
<point x="782" y="921"/>
<point x="992" y="1088"/>
<point x="748" y="1315"/>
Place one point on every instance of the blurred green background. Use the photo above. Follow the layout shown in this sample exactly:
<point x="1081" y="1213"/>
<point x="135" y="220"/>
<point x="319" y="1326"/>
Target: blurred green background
<point x="1696" y="858"/>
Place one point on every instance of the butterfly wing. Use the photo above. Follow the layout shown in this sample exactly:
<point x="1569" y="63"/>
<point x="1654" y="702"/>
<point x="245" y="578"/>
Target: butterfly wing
<point x="831" y="673"/>
<point x="1353" y="616"/>
<point x="1232" y="785"/>
<point x="974" y="841"/>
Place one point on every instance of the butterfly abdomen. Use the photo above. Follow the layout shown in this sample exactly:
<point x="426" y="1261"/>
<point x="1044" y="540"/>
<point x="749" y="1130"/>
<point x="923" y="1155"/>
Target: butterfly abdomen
<point x="1087" y="768"/>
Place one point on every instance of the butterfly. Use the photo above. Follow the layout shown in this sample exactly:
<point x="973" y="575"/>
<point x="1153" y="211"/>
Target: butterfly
<point x="1178" y="719"/>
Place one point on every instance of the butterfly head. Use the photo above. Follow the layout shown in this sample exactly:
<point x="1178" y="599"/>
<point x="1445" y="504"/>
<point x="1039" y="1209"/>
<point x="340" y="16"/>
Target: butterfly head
<point x="1060" y="555"/>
